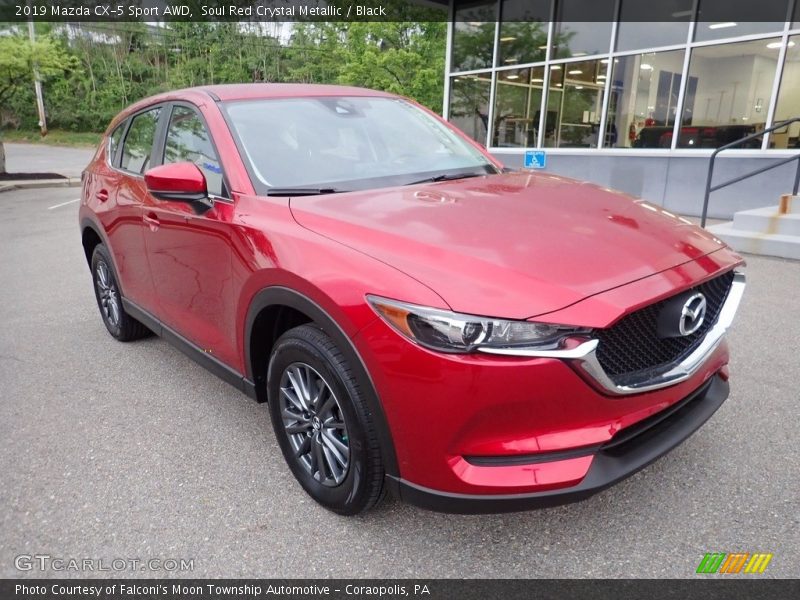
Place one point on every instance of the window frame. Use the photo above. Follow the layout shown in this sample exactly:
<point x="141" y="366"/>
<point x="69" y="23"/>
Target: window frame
<point x="164" y="131"/>
<point x="112" y="157"/>
<point x="154" y="161"/>
<point x="784" y="31"/>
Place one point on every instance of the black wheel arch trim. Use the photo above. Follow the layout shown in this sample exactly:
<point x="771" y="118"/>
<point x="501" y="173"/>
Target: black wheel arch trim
<point x="283" y="296"/>
<point x="87" y="223"/>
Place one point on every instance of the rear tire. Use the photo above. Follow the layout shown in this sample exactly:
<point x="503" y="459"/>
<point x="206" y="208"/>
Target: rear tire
<point x="120" y="324"/>
<point x="322" y="423"/>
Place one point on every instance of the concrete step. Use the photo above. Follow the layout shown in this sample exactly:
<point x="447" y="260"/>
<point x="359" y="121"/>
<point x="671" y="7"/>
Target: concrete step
<point x="767" y="220"/>
<point x="755" y="242"/>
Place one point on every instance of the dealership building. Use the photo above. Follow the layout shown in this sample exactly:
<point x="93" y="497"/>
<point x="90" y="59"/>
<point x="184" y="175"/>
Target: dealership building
<point x="631" y="94"/>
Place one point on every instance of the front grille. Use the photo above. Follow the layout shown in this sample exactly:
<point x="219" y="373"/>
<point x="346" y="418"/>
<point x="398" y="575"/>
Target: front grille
<point x="631" y="350"/>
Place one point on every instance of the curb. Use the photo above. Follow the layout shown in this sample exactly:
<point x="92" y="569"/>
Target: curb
<point x="39" y="183"/>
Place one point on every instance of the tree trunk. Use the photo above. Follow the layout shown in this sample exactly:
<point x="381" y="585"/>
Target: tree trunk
<point x="2" y="159"/>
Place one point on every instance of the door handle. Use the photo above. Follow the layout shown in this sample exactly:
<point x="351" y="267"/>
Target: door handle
<point x="152" y="220"/>
<point x="102" y="195"/>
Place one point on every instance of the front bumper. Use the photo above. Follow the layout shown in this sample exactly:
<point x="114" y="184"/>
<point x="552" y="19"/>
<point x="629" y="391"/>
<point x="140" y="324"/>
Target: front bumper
<point x="626" y="453"/>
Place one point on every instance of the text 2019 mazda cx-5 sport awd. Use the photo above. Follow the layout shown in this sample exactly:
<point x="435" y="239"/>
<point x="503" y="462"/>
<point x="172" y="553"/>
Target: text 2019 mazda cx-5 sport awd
<point x="417" y="318"/>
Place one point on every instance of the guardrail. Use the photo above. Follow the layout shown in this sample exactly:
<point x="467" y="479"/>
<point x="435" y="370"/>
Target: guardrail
<point x="739" y="142"/>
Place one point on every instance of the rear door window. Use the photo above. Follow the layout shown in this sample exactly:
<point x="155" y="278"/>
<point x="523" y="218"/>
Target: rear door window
<point x="138" y="146"/>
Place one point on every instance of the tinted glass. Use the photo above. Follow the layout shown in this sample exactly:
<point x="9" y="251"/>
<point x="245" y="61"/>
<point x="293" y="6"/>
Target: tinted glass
<point x="728" y="92"/>
<point x="473" y="35"/>
<point x="188" y="140"/>
<point x="789" y="99"/>
<point x="139" y="141"/>
<point x="469" y="105"/>
<point x="653" y="24"/>
<point x="523" y="31"/>
<point x="114" y="140"/>
<point x="349" y="142"/>
<point x="583" y="27"/>
<point x="574" y="103"/>
<point x="719" y="19"/>
<point x="643" y="100"/>
<point x="518" y="107"/>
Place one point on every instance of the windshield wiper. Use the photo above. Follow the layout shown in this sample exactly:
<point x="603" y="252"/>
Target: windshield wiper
<point x="447" y="177"/>
<point x="276" y="191"/>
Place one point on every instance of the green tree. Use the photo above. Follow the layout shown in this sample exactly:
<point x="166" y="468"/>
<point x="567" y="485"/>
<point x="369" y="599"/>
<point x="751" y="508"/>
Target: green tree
<point x="18" y="57"/>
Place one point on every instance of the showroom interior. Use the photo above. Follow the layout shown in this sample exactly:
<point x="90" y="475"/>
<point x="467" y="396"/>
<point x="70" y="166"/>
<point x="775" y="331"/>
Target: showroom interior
<point x="644" y="91"/>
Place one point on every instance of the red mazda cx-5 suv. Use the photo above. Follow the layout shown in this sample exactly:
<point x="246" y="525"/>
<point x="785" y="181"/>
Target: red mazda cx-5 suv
<point x="418" y="318"/>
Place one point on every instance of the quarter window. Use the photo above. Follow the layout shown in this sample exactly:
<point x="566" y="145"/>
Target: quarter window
<point x="138" y="146"/>
<point x="188" y="140"/>
<point x="113" y="142"/>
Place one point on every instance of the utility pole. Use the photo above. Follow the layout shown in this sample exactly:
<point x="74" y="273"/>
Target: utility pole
<point x="37" y="84"/>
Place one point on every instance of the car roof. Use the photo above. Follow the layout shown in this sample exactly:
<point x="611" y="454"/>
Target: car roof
<point x="246" y="91"/>
<point x="253" y="91"/>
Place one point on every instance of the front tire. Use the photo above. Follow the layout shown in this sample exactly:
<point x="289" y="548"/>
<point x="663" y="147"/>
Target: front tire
<point x="322" y="423"/>
<point x="120" y="324"/>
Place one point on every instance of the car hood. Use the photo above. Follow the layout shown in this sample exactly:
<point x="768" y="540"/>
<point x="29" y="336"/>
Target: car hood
<point x="514" y="245"/>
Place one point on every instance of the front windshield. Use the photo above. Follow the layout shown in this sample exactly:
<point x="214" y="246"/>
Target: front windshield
<point x="347" y="143"/>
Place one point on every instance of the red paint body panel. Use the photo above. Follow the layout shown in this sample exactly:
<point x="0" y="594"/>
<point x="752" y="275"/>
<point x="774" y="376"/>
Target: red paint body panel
<point x="513" y="246"/>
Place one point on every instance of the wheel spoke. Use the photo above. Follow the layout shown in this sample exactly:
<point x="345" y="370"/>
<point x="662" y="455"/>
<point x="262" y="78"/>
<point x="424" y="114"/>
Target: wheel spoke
<point x="330" y="461"/>
<point x="337" y="448"/>
<point x="319" y="459"/>
<point x="297" y="387"/>
<point x="327" y="406"/>
<point x="114" y="316"/>
<point x="334" y="423"/>
<point x="101" y="275"/>
<point x="292" y="416"/>
<point x="319" y="394"/>
<point x="303" y="448"/>
<point x="313" y="422"/>
<point x="291" y="396"/>
<point x="296" y="428"/>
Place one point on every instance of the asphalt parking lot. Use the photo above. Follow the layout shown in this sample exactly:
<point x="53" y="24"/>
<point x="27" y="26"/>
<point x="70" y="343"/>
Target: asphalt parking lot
<point x="114" y="450"/>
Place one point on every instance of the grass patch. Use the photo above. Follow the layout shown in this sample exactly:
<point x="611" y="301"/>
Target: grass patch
<point x="54" y="137"/>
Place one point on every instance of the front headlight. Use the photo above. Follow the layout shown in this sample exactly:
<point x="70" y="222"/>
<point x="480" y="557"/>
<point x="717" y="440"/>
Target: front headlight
<point x="447" y="331"/>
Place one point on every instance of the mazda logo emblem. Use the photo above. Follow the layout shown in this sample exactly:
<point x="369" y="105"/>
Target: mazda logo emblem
<point x="693" y="314"/>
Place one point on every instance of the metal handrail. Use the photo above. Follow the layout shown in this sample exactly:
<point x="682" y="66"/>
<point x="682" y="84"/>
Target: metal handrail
<point x="739" y="142"/>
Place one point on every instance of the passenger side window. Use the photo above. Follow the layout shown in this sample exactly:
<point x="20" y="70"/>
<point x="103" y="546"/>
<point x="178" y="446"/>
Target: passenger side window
<point x="188" y="140"/>
<point x="113" y="142"/>
<point x="139" y="142"/>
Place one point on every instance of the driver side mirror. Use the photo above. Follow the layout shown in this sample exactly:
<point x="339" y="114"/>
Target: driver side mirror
<point x="178" y="182"/>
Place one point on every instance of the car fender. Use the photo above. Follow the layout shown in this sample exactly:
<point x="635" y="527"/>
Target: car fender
<point x="285" y="296"/>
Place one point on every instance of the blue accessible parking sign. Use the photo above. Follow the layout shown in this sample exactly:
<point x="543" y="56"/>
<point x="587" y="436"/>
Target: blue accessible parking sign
<point x="535" y="159"/>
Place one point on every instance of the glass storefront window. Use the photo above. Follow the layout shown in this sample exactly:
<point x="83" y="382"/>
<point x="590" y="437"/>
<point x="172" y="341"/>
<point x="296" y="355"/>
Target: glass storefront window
<point x="518" y="107"/>
<point x="573" y="36"/>
<point x="469" y="104"/>
<point x="473" y="35"/>
<point x="574" y="103"/>
<point x="788" y="105"/>
<point x="728" y="92"/>
<point x="523" y="31"/>
<point x="718" y="19"/>
<point x="643" y="100"/>
<point x="653" y="24"/>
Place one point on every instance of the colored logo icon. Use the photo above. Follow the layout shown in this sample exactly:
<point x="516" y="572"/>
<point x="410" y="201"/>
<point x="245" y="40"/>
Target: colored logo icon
<point x="733" y="563"/>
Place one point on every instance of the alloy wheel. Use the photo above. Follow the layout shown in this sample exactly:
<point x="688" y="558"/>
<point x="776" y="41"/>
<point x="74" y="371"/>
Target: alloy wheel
<point x="108" y="294"/>
<point x="314" y="424"/>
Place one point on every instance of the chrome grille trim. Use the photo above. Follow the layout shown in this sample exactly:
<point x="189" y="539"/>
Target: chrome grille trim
<point x="584" y="356"/>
